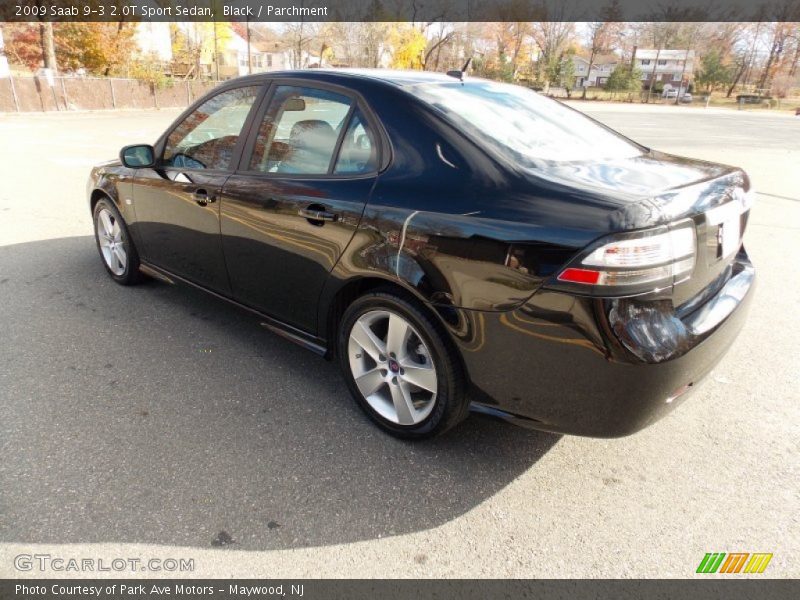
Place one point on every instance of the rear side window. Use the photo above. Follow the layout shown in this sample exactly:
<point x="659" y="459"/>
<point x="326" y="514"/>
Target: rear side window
<point x="359" y="152"/>
<point x="522" y="125"/>
<point x="207" y="137"/>
<point x="300" y="131"/>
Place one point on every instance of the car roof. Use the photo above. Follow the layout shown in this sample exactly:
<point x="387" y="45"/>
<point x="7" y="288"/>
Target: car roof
<point x="398" y="78"/>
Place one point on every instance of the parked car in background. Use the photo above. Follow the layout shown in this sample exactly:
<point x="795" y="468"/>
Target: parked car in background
<point x="452" y="243"/>
<point x="672" y="93"/>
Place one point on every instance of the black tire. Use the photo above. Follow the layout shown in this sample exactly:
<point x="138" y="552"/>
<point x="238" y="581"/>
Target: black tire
<point x="451" y="405"/>
<point x="131" y="274"/>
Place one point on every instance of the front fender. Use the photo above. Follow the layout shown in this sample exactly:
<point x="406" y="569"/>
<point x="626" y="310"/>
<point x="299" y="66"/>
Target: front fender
<point x="116" y="182"/>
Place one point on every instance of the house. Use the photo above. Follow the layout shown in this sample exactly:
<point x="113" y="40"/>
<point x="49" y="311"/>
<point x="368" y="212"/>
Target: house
<point x="669" y="67"/>
<point x="234" y="60"/>
<point x="602" y="66"/>
<point x="264" y="56"/>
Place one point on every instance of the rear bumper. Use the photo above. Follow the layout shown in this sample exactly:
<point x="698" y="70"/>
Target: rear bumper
<point x="597" y="367"/>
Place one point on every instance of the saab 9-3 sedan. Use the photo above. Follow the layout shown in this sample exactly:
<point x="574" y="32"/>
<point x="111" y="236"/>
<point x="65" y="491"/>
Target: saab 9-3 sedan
<point x="453" y="243"/>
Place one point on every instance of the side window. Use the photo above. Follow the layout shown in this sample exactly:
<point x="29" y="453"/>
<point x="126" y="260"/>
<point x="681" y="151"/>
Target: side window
<point x="300" y="131"/>
<point x="359" y="151"/>
<point x="206" y="138"/>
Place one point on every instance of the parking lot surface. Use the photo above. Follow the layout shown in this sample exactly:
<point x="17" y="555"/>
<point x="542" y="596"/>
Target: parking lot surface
<point x="156" y="421"/>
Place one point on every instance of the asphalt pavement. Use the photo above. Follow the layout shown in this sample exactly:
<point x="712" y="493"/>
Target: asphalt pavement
<point x="156" y="421"/>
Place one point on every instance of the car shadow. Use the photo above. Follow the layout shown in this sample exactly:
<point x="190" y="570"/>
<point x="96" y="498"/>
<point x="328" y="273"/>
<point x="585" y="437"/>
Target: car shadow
<point x="159" y="414"/>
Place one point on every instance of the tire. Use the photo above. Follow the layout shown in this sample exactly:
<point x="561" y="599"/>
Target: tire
<point x="409" y="401"/>
<point x="114" y="243"/>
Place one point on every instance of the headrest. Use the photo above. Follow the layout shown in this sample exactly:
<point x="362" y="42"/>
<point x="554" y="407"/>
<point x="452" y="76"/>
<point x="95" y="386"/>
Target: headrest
<point x="312" y="128"/>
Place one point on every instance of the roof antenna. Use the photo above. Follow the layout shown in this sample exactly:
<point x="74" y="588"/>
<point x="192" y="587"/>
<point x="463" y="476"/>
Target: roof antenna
<point x="460" y="74"/>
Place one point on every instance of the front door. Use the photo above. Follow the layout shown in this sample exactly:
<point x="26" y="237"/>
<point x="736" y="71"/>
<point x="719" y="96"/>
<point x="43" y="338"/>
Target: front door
<point x="290" y="212"/>
<point x="177" y="203"/>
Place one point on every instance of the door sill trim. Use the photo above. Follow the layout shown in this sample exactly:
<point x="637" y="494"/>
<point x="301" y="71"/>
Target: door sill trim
<point x="289" y="332"/>
<point x="151" y="272"/>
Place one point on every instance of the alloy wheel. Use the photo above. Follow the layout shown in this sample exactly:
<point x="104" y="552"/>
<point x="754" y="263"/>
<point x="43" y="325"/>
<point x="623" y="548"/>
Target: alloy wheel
<point x="392" y="367"/>
<point x="112" y="245"/>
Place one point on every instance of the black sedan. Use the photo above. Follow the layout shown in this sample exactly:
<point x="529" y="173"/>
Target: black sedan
<point x="452" y="242"/>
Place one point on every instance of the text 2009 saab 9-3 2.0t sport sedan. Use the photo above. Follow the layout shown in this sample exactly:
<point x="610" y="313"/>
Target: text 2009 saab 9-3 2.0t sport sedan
<point x="451" y="242"/>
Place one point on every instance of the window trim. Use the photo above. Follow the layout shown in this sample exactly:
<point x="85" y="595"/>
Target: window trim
<point x="357" y="102"/>
<point x="356" y="107"/>
<point x="340" y="139"/>
<point x="160" y="145"/>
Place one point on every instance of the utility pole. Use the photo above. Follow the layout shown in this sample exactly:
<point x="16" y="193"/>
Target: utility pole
<point x="216" y="53"/>
<point x="249" y="56"/>
<point x="48" y="46"/>
<point x="683" y="73"/>
<point x="653" y="74"/>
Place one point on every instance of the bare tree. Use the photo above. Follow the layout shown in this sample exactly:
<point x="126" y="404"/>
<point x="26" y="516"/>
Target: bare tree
<point x="687" y="38"/>
<point x="443" y="35"/>
<point x="729" y="40"/>
<point x="601" y="38"/>
<point x="662" y="35"/>
<point x="781" y="33"/>
<point x="552" y="38"/>
<point x="300" y="36"/>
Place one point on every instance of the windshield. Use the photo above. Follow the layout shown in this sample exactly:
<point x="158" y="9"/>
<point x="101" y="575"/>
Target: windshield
<point x="522" y="125"/>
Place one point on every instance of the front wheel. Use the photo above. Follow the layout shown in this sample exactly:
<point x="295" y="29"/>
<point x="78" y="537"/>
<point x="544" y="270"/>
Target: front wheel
<point x="115" y="245"/>
<point x="399" y="367"/>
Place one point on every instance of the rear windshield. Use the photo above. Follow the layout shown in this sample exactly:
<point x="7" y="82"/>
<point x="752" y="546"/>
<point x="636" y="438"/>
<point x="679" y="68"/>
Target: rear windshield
<point x="522" y="125"/>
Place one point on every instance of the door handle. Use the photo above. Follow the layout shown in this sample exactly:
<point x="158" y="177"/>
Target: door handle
<point x="203" y="198"/>
<point x="317" y="215"/>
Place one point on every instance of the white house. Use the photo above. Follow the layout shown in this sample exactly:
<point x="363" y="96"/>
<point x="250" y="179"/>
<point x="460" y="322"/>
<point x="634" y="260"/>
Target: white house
<point x="665" y="66"/>
<point x="602" y="66"/>
<point x="264" y="56"/>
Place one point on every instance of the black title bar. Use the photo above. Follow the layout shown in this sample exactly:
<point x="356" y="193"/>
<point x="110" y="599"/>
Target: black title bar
<point x="401" y="10"/>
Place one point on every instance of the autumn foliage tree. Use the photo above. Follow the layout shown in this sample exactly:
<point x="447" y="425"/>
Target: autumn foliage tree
<point x="100" y="48"/>
<point x="23" y="44"/>
<point x="409" y="45"/>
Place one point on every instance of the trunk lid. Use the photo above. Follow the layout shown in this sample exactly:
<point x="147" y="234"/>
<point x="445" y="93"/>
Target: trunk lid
<point x="660" y="189"/>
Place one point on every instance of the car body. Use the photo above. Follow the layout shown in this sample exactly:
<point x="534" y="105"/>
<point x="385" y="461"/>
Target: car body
<point x="485" y="237"/>
<point x="672" y="94"/>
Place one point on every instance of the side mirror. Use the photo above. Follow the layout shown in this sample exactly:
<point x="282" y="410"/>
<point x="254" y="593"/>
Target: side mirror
<point x="138" y="156"/>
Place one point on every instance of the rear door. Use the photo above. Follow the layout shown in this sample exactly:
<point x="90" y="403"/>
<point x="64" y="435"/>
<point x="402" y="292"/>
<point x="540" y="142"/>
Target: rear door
<point x="176" y="204"/>
<point x="293" y="207"/>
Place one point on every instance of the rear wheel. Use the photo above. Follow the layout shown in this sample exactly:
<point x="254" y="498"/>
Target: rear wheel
<point x="399" y="367"/>
<point x="115" y="245"/>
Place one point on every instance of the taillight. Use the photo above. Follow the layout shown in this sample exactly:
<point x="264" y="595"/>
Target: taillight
<point x="634" y="262"/>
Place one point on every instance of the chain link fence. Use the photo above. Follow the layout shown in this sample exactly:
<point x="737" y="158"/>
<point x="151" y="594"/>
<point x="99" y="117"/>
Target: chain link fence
<point x="36" y="94"/>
